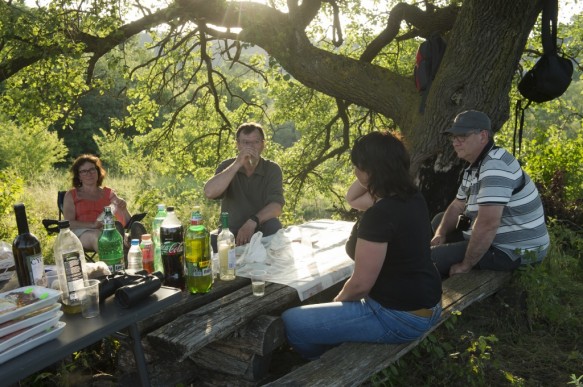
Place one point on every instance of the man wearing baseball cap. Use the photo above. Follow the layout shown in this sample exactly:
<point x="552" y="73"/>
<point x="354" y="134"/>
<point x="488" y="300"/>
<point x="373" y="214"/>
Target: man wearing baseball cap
<point x="496" y="221"/>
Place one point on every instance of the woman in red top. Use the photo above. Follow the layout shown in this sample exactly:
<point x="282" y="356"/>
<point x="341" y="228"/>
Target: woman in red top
<point x="84" y="204"/>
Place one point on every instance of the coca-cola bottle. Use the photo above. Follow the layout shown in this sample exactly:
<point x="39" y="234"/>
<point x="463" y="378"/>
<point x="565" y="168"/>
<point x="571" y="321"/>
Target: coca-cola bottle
<point x="172" y="246"/>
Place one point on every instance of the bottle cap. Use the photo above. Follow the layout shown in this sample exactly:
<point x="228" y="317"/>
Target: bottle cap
<point x="135" y="242"/>
<point x="170" y="208"/>
<point x="63" y="224"/>
<point x="146" y="237"/>
<point x="161" y="207"/>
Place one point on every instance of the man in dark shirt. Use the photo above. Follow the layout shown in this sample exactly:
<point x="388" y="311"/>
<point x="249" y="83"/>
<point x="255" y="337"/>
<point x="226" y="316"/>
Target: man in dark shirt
<point x="251" y="187"/>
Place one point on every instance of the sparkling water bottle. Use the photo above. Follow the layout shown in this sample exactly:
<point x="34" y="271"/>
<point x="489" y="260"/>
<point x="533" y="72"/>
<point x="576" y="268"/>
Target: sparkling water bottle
<point x="71" y="267"/>
<point x="135" y="256"/>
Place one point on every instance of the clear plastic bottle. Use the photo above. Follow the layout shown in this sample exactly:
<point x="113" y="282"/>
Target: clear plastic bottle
<point x="110" y="243"/>
<point x="156" y="223"/>
<point x="172" y="246"/>
<point x="199" y="275"/>
<point x="71" y="267"/>
<point x="147" y="253"/>
<point x="135" y="256"/>
<point x="226" y="247"/>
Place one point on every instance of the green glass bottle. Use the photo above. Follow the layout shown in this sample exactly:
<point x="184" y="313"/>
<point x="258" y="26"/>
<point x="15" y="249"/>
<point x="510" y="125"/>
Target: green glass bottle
<point x="156" y="223"/>
<point x="110" y="243"/>
<point x="199" y="275"/>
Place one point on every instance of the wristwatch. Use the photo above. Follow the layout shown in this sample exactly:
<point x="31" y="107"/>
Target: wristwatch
<point x="255" y="219"/>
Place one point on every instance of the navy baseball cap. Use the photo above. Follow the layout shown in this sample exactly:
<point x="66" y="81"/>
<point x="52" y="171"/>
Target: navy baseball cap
<point x="468" y="121"/>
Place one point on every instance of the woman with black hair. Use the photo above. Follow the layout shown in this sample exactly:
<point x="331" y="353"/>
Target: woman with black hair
<point x="394" y="293"/>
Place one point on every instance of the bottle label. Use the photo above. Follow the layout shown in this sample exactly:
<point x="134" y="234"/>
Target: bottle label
<point x="73" y="274"/>
<point x="116" y="267"/>
<point x="36" y="268"/>
<point x="232" y="259"/>
<point x="193" y="269"/>
<point x="147" y="253"/>
<point x="172" y="248"/>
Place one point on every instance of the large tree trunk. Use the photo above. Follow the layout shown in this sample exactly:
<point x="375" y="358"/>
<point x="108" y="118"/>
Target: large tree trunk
<point x="483" y="51"/>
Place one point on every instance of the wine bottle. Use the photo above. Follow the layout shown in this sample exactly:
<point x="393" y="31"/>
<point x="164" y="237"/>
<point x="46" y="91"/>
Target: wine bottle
<point x="28" y="257"/>
<point x="226" y="247"/>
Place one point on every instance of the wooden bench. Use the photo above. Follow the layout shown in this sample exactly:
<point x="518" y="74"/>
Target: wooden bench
<point x="227" y="335"/>
<point x="351" y="364"/>
<point x="235" y="334"/>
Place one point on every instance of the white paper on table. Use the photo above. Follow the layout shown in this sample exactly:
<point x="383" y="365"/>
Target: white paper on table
<point x="309" y="258"/>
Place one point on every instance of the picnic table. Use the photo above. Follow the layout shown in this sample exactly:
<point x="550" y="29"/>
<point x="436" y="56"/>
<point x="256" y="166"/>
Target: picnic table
<point x="229" y="327"/>
<point x="228" y="323"/>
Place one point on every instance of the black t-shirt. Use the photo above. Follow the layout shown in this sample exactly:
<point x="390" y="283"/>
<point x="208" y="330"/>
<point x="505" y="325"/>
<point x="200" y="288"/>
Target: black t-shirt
<point x="408" y="279"/>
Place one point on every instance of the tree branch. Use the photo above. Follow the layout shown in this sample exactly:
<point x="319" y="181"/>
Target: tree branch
<point x="435" y="19"/>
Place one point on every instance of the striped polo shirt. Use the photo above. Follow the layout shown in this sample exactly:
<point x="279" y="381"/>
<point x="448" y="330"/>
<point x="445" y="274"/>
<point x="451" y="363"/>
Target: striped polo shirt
<point x="496" y="178"/>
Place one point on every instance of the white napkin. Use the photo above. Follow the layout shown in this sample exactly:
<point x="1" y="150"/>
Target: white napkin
<point x="284" y="237"/>
<point x="280" y="250"/>
<point x="254" y="250"/>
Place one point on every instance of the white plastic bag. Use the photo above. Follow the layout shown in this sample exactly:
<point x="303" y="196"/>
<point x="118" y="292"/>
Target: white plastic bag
<point x="6" y="261"/>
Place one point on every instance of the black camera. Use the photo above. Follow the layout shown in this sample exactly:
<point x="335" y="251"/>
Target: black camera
<point x="463" y="223"/>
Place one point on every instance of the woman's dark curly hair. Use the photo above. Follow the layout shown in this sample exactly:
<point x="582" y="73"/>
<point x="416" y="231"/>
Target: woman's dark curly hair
<point x="386" y="161"/>
<point x="80" y="161"/>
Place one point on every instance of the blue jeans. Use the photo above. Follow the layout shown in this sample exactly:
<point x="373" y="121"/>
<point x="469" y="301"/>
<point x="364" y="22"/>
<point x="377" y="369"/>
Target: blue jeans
<point x="447" y="255"/>
<point x="313" y="329"/>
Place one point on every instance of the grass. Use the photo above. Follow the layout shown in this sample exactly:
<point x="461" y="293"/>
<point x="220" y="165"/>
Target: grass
<point x="528" y="334"/>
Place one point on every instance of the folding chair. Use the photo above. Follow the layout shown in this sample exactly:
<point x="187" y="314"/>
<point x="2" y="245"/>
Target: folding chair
<point x="52" y="225"/>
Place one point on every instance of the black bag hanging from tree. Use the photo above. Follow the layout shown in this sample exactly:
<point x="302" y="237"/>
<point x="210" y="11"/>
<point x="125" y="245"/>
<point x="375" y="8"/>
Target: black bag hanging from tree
<point x="551" y="75"/>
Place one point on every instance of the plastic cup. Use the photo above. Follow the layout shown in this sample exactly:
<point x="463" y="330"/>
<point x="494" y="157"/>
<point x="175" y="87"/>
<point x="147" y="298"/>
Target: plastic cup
<point x="258" y="282"/>
<point x="90" y="299"/>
